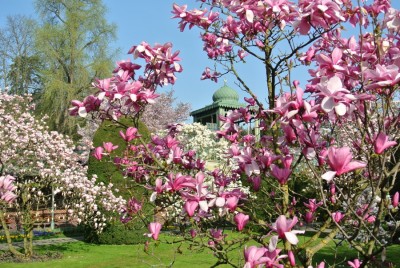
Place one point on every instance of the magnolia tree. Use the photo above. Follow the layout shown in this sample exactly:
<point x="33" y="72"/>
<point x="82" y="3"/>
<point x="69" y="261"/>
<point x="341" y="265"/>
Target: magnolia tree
<point x="342" y="127"/>
<point x="35" y="162"/>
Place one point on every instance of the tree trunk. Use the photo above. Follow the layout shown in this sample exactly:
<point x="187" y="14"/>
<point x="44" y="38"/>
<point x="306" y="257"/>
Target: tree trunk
<point x="12" y="249"/>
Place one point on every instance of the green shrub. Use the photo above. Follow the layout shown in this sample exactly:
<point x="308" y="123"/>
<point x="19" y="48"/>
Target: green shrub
<point x="73" y="231"/>
<point x="117" y="234"/>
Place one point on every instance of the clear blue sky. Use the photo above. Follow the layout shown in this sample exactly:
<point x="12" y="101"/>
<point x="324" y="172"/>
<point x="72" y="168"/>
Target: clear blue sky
<point x="150" y="21"/>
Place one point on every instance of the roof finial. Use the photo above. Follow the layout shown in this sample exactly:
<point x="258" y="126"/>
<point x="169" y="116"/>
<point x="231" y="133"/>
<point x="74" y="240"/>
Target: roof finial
<point x="225" y="81"/>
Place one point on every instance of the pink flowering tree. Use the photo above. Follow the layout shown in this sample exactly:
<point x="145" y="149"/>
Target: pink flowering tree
<point x="341" y="127"/>
<point x="158" y="115"/>
<point x="33" y="163"/>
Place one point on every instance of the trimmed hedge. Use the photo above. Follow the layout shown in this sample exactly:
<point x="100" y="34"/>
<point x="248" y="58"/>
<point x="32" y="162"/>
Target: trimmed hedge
<point x="117" y="234"/>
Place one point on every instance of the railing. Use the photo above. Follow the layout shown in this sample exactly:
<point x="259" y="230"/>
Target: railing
<point x="212" y="126"/>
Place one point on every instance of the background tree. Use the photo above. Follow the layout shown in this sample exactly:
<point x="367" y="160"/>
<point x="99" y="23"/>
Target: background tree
<point x="73" y="39"/>
<point x="20" y="65"/>
<point x="164" y="111"/>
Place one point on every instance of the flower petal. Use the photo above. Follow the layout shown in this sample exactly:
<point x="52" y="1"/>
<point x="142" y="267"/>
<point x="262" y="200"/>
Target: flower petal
<point x="340" y="109"/>
<point x="328" y="176"/>
<point x="327" y="104"/>
<point x="292" y="238"/>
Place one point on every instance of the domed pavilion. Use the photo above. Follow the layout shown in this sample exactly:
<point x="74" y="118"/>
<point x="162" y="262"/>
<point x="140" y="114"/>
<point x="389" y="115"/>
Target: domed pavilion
<point x="224" y="100"/>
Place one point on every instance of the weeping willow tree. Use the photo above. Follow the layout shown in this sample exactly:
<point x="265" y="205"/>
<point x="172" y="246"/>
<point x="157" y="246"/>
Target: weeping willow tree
<point x="73" y="41"/>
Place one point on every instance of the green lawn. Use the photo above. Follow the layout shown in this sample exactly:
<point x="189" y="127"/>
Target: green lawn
<point x="81" y="254"/>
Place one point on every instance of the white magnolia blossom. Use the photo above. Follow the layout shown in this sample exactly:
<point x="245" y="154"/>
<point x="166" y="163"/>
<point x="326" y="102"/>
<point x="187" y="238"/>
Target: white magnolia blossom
<point x="40" y="159"/>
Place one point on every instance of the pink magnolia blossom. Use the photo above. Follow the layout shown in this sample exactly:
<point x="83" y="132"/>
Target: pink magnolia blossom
<point x="354" y="264"/>
<point x="339" y="160"/>
<point x="208" y="75"/>
<point x="154" y="228"/>
<point x="382" y="143"/>
<point x="8" y="196"/>
<point x="308" y="56"/>
<point x="309" y="217"/>
<point x="241" y="220"/>
<point x="256" y="182"/>
<point x="242" y="54"/>
<point x="190" y="207"/>
<point x="312" y="204"/>
<point x="292" y="259"/>
<point x="6" y="189"/>
<point x="193" y="17"/>
<point x="98" y="153"/>
<point x="176" y="182"/>
<point x="337" y="216"/>
<point x="284" y="227"/>
<point x="232" y="202"/>
<point x="130" y="134"/>
<point x="109" y="147"/>
<point x="134" y="206"/>
<point x="331" y="64"/>
<point x="392" y="20"/>
<point x="217" y="234"/>
<point x="318" y="14"/>
<point x="253" y="256"/>
<point x="335" y="95"/>
<point x="247" y="162"/>
<point x="7" y="183"/>
<point x="383" y="76"/>
<point x="281" y="174"/>
<point x="395" y="200"/>
<point x="250" y="101"/>
<point x="89" y="104"/>
<point x="193" y="233"/>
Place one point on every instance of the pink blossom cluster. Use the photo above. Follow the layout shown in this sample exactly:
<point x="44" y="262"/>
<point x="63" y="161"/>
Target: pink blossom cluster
<point x="6" y="189"/>
<point x="126" y="93"/>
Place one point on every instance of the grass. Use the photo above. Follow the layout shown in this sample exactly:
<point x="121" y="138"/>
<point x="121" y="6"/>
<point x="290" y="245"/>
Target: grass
<point x="81" y="254"/>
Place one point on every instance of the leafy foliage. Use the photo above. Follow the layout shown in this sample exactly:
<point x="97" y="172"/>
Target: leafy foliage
<point x="116" y="234"/>
<point x="73" y="40"/>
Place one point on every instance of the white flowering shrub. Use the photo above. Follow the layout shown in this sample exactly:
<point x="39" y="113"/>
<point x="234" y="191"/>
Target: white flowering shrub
<point x="199" y="138"/>
<point x="41" y="160"/>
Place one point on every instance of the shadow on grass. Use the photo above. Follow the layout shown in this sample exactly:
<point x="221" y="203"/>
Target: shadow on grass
<point x="78" y="246"/>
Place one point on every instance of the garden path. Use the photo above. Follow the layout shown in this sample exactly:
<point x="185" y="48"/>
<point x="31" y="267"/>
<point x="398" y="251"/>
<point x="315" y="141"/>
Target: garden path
<point x="42" y="242"/>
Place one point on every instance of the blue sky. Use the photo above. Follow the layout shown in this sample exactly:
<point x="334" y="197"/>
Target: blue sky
<point x="151" y="21"/>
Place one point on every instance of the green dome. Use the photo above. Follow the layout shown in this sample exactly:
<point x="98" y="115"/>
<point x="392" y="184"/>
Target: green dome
<point x="225" y="93"/>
